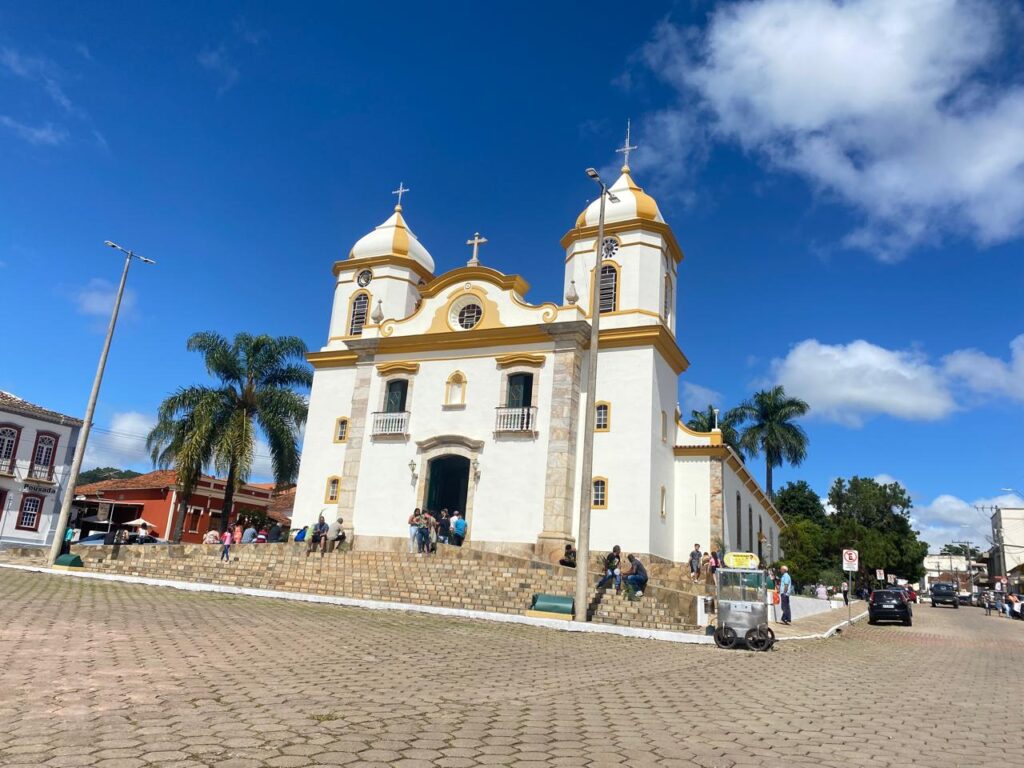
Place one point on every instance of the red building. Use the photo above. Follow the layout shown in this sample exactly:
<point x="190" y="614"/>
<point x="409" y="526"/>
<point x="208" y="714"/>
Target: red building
<point x="154" y="498"/>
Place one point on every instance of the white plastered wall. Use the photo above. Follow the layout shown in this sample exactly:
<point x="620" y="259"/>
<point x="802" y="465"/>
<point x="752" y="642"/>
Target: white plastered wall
<point x="692" y="505"/>
<point x="733" y="484"/>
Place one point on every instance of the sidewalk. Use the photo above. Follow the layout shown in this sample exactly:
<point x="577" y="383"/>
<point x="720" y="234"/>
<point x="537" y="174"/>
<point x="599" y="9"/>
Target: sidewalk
<point x="821" y="624"/>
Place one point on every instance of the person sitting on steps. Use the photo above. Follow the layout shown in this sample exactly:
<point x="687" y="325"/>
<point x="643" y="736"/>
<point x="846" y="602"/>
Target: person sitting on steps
<point x="636" y="579"/>
<point x="568" y="557"/>
<point x="612" y="570"/>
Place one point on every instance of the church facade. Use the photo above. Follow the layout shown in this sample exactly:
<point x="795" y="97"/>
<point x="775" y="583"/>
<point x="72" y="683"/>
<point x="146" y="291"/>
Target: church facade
<point x="454" y="391"/>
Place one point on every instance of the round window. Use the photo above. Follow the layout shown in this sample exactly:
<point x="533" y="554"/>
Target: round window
<point x="465" y="313"/>
<point x="470" y="315"/>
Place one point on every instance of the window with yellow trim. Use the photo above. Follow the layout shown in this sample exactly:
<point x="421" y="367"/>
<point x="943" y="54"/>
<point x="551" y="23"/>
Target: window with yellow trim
<point x="602" y="417"/>
<point x="360" y="308"/>
<point x="608" y="289"/>
<point x="455" y="389"/>
<point x="599" y="494"/>
<point x="341" y="430"/>
<point x="333" y="490"/>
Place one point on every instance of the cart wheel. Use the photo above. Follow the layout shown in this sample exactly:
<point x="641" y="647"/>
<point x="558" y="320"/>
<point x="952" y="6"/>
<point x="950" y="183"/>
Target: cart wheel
<point x="725" y="637"/>
<point x="756" y="640"/>
<point x="769" y="634"/>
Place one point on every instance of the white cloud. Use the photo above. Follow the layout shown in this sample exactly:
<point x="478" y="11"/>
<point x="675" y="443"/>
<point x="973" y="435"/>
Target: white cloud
<point x="989" y="375"/>
<point x="885" y="479"/>
<point x="97" y="297"/>
<point x="40" y="135"/>
<point x="262" y="467"/>
<point x="847" y="383"/>
<point x="697" y="398"/>
<point x="217" y="61"/>
<point x="896" y="109"/>
<point x="949" y="518"/>
<point x="122" y="445"/>
<point x="38" y="70"/>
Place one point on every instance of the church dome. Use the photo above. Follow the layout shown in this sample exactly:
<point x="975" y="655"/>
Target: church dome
<point x="633" y="204"/>
<point x="393" y="238"/>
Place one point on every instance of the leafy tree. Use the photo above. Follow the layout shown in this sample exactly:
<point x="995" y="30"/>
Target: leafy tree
<point x="105" y="473"/>
<point x="257" y="377"/>
<point x="960" y="549"/>
<point x="771" y="429"/>
<point x="798" y="501"/>
<point x="704" y="421"/>
<point x="803" y="541"/>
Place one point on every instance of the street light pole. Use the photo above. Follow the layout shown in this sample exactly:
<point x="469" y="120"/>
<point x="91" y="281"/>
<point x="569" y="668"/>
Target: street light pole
<point x="586" y="481"/>
<point x="76" y="462"/>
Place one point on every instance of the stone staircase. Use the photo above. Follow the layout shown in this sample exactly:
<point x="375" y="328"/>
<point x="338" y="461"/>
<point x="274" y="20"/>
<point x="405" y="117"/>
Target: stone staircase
<point x="452" y="577"/>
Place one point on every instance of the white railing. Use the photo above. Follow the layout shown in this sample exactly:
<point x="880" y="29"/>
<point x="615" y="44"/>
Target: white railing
<point x="385" y="423"/>
<point x="516" y="420"/>
<point x="40" y="472"/>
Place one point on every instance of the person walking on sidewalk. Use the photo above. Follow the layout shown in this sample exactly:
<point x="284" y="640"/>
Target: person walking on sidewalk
<point x="695" y="558"/>
<point x="225" y="539"/>
<point x="846" y="593"/>
<point x="785" y="590"/>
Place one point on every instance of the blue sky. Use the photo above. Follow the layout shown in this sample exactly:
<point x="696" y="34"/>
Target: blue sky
<point x="847" y="182"/>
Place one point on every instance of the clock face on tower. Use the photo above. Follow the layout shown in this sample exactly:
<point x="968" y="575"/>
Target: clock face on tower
<point x="609" y="247"/>
<point x="364" y="277"/>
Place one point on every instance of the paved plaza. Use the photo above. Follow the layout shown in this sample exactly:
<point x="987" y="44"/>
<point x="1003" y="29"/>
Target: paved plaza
<point x="123" y="676"/>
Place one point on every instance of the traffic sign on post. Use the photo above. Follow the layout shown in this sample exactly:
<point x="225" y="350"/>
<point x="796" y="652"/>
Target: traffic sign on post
<point x="851" y="560"/>
<point x="880" y="574"/>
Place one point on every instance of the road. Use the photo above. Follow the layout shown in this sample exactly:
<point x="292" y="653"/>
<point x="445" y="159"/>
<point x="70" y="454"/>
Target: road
<point x="124" y="676"/>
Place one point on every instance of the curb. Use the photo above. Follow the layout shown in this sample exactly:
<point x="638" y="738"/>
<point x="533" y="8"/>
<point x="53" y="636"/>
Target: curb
<point x="380" y="605"/>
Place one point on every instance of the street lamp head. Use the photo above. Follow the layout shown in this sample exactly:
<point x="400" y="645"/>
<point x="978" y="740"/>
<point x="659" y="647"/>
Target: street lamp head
<point x="109" y="244"/>
<point x="593" y="174"/>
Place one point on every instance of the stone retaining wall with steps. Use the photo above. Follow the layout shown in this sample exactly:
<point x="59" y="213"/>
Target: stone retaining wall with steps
<point x="452" y="578"/>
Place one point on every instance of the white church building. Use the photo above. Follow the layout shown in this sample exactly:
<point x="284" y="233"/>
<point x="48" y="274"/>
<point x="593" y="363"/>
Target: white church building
<point x="454" y="391"/>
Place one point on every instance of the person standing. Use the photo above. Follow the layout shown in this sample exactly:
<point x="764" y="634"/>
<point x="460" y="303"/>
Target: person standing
<point x="695" y="557"/>
<point x="987" y="597"/>
<point x="236" y="536"/>
<point x="225" y="539"/>
<point x="444" y="527"/>
<point x="274" y="535"/>
<point x="414" y="531"/>
<point x="69" y="536"/>
<point x="785" y="590"/>
<point x="459" y="527"/>
<point x="249" y="535"/>
<point x="846" y="593"/>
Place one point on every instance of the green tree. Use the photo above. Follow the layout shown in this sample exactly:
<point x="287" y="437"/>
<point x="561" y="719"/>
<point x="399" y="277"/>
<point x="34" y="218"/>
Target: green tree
<point x="803" y="541"/>
<point x="704" y="421"/>
<point x="105" y="473"/>
<point x="257" y="378"/>
<point x="798" y="501"/>
<point x="770" y="429"/>
<point x="960" y="549"/>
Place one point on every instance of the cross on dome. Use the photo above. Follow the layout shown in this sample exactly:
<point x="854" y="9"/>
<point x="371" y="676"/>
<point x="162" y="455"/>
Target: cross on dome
<point x="402" y="189"/>
<point x="625" y="149"/>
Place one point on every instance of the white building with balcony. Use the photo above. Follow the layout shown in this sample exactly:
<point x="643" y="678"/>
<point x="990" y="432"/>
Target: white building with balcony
<point x="454" y="391"/>
<point x="36" y="446"/>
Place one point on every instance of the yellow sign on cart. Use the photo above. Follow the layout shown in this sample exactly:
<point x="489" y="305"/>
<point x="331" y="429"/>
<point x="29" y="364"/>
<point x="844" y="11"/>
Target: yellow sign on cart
<point x="741" y="560"/>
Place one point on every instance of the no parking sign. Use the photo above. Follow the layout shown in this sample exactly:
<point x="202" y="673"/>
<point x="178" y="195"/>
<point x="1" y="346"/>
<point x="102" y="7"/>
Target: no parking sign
<point x="851" y="560"/>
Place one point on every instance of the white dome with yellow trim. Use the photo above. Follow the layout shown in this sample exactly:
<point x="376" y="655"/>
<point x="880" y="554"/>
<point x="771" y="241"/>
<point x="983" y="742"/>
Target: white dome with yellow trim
<point x="633" y="204"/>
<point x="392" y="238"/>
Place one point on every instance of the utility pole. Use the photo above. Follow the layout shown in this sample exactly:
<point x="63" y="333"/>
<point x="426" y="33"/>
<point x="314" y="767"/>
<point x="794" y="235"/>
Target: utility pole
<point x="90" y="409"/>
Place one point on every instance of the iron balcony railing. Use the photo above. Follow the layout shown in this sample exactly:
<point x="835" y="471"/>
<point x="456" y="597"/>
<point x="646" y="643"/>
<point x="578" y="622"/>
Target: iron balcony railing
<point x="516" y="419"/>
<point x="40" y="472"/>
<point x="390" y="423"/>
<point x="7" y="465"/>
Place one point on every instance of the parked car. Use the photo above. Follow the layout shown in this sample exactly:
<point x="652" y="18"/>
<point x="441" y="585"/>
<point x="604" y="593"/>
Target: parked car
<point x="889" y="605"/>
<point x="944" y="594"/>
<point x="92" y="540"/>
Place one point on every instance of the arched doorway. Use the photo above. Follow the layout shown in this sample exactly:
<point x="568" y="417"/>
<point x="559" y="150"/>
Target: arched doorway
<point x="448" y="483"/>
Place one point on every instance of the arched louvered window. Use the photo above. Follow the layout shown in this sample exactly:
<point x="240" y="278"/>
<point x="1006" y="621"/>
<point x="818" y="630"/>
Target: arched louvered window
<point x="360" y="304"/>
<point x="608" y="289"/>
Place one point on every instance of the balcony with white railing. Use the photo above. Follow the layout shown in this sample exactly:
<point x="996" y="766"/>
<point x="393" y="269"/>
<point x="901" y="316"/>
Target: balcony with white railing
<point x="516" y="419"/>
<point x="40" y="472"/>
<point x="393" y="424"/>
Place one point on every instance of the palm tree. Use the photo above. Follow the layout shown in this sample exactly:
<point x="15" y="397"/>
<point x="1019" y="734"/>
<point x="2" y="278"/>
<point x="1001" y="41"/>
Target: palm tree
<point x="704" y="421"/>
<point x="771" y="413"/>
<point x="202" y="425"/>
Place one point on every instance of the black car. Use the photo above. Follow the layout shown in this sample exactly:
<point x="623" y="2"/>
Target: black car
<point x="944" y="594"/>
<point x="889" y="605"/>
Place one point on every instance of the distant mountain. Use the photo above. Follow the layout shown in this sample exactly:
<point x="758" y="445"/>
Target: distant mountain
<point x="105" y="473"/>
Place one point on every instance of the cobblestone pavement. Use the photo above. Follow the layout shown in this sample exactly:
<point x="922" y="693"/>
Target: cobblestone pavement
<point x="124" y="676"/>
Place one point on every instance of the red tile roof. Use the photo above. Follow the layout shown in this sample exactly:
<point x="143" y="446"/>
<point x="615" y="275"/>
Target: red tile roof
<point x="282" y="504"/>
<point x="161" y="478"/>
<point x="14" y="404"/>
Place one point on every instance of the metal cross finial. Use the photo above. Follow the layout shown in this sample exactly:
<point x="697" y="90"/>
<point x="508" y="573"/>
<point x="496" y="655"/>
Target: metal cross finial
<point x="476" y="242"/>
<point x="626" y="148"/>
<point x="402" y="189"/>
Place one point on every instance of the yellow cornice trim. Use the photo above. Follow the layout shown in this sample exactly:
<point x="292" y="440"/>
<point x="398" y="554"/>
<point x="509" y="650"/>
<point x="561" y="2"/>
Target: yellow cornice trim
<point x="394" y="260"/>
<point x="519" y="358"/>
<point x="726" y="453"/>
<point x="466" y="274"/>
<point x="662" y="229"/>
<point x="715" y="437"/>
<point x="399" y="366"/>
<point x="334" y="358"/>
<point x="647" y="335"/>
<point x="486" y="337"/>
